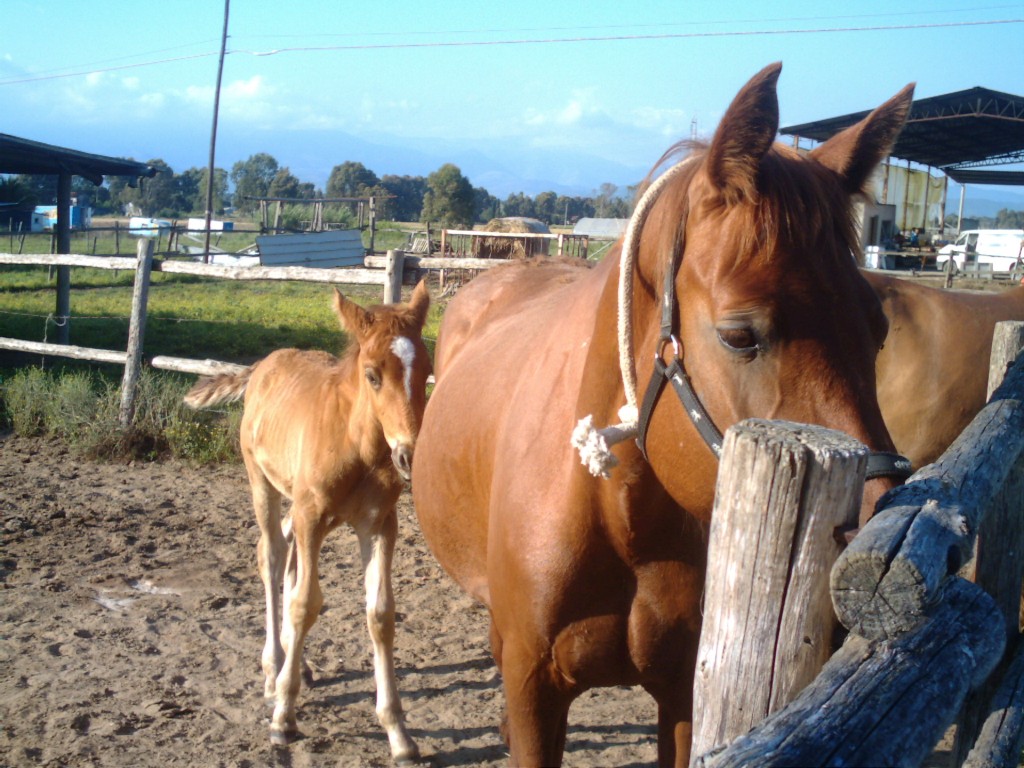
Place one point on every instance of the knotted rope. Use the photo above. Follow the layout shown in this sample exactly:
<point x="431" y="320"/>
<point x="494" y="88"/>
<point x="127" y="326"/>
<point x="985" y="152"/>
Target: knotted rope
<point x="594" y="445"/>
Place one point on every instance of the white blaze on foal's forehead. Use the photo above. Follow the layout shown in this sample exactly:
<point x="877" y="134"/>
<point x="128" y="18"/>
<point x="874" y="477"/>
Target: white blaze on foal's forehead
<point x="405" y="351"/>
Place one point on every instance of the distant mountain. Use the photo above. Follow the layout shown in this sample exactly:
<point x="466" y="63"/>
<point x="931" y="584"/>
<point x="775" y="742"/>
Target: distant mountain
<point x="984" y="201"/>
<point x="502" y="167"/>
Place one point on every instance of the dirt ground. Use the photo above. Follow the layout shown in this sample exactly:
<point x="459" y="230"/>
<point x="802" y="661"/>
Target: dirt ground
<point x="131" y="624"/>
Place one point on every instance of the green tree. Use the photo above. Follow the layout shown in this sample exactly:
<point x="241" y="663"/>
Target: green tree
<point x="406" y="199"/>
<point x="350" y="179"/>
<point x="1007" y="219"/>
<point x="156" y="196"/>
<point x="252" y="178"/>
<point x="449" y="198"/>
<point x="192" y="190"/>
<point x="485" y="205"/>
<point x="284" y="184"/>
<point x="517" y="204"/>
<point x="544" y="206"/>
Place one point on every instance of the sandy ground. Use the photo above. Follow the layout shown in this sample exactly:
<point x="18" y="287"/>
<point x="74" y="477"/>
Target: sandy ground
<point x="131" y="624"/>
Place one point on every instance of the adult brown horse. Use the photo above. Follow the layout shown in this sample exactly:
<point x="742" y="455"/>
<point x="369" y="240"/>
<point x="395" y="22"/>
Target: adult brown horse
<point x="933" y="370"/>
<point x="336" y="437"/>
<point x="597" y="582"/>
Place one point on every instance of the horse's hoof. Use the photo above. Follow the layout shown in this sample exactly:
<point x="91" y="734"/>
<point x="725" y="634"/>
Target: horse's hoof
<point x="282" y="738"/>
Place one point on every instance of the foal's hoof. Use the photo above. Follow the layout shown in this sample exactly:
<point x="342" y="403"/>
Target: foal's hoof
<point x="282" y="738"/>
<point x="413" y="759"/>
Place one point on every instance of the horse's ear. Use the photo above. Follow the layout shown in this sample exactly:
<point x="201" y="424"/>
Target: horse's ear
<point x="353" y="317"/>
<point x="419" y="302"/>
<point x="745" y="134"/>
<point x="855" y="152"/>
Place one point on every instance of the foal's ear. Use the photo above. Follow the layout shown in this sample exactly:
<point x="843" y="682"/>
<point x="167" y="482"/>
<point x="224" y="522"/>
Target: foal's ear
<point x="855" y="152"/>
<point x="745" y="134"/>
<point x="419" y="302"/>
<point x="353" y="317"/>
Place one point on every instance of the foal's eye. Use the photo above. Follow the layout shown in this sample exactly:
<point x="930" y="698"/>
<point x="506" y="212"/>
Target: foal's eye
<point x="373" y="377"/>
<point x="738" y="339"/>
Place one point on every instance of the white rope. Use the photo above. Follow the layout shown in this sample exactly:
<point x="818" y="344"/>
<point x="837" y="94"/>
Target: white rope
<point x="594" y="445"/>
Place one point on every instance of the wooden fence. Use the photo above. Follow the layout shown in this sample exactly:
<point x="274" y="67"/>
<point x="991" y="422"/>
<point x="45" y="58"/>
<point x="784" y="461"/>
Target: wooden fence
<point x="390" y="272"/>
<point x="461" y="243"/>
<point x="921" y="637"/>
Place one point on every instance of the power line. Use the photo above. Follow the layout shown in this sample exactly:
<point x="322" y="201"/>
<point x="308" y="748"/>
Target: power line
<point x="534" y="41"/>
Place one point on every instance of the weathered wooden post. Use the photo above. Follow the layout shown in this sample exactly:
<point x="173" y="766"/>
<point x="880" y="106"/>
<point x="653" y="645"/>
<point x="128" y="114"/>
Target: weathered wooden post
<point x="783" y="490"/>
<point x="998" y="568"/>
<point x="393" y="269"/>
<point x="136" y="331"/>
<point x="373" y="221"/>
<point x="62" y="244"/>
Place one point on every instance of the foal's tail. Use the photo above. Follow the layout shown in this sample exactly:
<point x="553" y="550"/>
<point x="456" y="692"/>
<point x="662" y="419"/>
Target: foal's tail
<point x="217" y="390"/>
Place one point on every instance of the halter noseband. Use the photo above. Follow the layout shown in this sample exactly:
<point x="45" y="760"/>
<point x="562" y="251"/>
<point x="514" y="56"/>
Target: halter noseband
<point x="880" y="463"/>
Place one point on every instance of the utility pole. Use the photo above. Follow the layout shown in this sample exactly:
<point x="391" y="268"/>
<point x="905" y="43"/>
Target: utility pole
<point x="213" y="134"/>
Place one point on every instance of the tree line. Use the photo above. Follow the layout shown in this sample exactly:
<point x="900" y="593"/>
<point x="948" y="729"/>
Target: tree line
<point x="445" y="197"/>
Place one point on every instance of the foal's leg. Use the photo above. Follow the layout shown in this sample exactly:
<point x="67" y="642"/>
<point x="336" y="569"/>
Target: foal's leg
<point x="271" y="554"/>
<point x="303" y="602"/>
<point x="377" y="546"/>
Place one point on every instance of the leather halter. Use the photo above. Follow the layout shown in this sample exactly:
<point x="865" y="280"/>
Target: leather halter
<point x="880" y="463"/>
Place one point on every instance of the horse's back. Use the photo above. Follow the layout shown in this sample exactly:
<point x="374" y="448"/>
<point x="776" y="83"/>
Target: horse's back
<point x="490" y="412"/>
<point x="500" y="293"/>
<point x="932" y="373"/>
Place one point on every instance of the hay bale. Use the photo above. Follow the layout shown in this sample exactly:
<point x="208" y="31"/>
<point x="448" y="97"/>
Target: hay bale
<point x="511" y="248"/>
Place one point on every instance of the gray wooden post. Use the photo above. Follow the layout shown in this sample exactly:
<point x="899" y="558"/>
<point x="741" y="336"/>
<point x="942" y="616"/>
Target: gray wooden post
<point x="136" y="331"/>
<point x="783" y="489"/>
<point x="394" y="267"/>
<point x="998" y="564"/>
<point x="63" y="237"/>
<point x="373" y="222"/>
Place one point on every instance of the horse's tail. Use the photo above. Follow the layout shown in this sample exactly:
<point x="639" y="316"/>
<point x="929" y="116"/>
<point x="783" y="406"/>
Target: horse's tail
<point x="217" y="390"/>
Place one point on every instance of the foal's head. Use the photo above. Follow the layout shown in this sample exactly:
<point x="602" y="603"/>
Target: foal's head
<point x="393" y="363"/>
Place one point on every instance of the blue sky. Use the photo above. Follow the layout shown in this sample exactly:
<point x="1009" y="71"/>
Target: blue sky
<point x="522" y="96"/>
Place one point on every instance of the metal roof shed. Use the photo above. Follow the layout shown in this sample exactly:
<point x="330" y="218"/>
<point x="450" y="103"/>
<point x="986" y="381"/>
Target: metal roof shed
<point x="24" y="156"/>
<point x="956" y="132"/>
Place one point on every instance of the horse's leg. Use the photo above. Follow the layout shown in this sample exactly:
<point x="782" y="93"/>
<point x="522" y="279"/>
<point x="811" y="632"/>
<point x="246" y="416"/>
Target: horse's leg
<point x="271" y="553"/>
<point x="289" y="587"/>
<point x="674" y="694"/>
<point x="536" y="710"/>
<point x="303" y="602"/>
<point x="377" y="548"/>
<point x="674" y="737"/>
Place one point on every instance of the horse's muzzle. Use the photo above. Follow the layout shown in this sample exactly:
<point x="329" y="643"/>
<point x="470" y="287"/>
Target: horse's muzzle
<point x="401" y="455"/>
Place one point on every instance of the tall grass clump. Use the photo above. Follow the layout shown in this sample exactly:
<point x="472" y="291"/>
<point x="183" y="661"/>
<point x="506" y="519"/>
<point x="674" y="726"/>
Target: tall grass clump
<point x="24" y="400"/>
<point x="82" y="411"/>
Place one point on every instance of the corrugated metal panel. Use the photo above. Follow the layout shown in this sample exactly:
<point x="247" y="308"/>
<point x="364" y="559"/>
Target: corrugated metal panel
<point x="338" y="248"/>
<point x="601" y="229"/>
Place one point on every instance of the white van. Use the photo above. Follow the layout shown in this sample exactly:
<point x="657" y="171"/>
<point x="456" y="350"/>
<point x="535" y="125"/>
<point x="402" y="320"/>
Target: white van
<point x="998" y="247"/>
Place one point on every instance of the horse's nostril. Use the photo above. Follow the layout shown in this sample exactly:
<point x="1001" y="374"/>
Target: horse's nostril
<point x="402" y="458"/>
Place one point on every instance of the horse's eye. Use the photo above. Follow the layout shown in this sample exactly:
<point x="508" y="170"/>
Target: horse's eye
<point x="738" y="339"/>
<point x="373" y="377"/>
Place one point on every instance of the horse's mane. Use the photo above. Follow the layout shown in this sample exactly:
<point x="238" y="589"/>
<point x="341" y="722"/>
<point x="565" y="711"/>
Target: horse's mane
<point x="799" y="205"/>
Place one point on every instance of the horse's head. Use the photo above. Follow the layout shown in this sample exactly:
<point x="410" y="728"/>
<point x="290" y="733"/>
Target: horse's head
<point x="393" y="366"/>
<point x="773" y="319"/>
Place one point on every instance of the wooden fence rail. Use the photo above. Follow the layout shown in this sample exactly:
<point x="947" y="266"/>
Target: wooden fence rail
<point x="905" y="672"/>
<point x="390" y="272"/>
